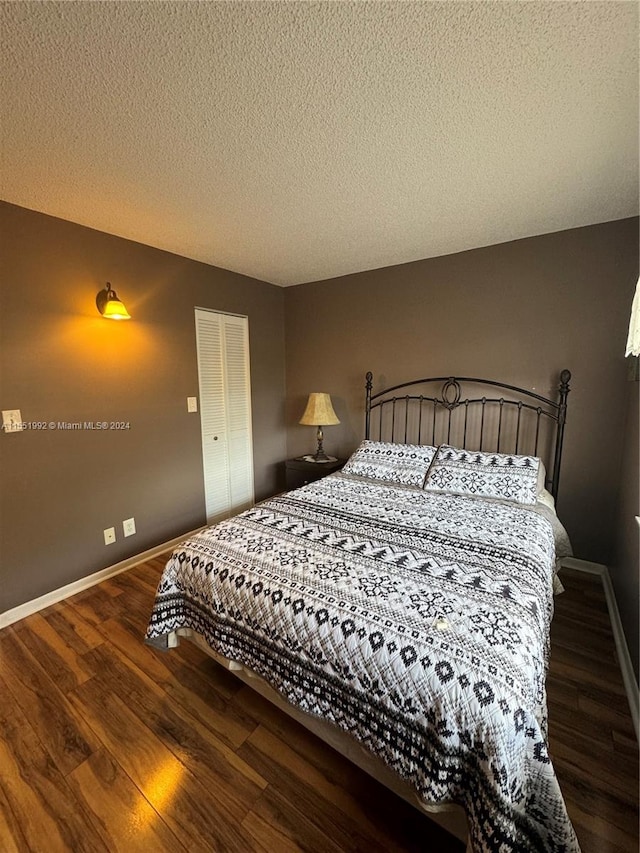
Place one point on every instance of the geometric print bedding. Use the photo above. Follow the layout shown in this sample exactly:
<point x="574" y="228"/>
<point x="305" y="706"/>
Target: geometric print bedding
<point x="491" y="475"/>
<point x="395" y="463"/>
<point x="418" y="622"/>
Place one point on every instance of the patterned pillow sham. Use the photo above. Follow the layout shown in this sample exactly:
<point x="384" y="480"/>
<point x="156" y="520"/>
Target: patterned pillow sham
<point x="394" y="463"/>
<point x="489" y="475"/>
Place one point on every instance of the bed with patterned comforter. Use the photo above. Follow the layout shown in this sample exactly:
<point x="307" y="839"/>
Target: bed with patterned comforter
<point x="416" y="621"/>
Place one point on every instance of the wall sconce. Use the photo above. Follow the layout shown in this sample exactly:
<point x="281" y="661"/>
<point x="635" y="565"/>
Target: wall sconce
<point x="319" y="412"/>
<point x="110" y="306"/>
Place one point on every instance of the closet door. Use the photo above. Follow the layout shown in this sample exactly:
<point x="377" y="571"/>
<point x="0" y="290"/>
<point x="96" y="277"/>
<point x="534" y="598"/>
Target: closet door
<point x="225" y="412"/>
<point x="238" y="410"/>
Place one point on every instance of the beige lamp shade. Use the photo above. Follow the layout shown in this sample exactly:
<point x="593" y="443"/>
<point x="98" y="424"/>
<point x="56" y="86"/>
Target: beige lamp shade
<point x="319" y="411"/>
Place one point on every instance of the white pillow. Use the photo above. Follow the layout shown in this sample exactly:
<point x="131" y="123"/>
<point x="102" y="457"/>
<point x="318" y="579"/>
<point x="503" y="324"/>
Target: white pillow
<point x="489" y="475"/>
<point x="394" y="463"/>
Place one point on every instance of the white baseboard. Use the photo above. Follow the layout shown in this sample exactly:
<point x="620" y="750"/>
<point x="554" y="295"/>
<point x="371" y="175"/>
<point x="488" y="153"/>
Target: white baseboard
<point x="626" y="667"/>
<point x="36" y="604"/>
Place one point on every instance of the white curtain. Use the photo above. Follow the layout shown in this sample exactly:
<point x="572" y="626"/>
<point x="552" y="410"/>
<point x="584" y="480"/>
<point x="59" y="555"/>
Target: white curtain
<point x="633" y="341"/>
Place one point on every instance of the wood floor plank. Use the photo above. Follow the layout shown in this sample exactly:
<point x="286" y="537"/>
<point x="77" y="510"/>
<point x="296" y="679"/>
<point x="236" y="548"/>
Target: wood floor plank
<point x="589" y="726"/>
<point x="564" y="693"/>
<point x="76" y="631"/>
<point x="582" y="663"/>
<point x="201" y="674"/>
<point x="63" y="665"/>
<point x="12" y="839"/>
<point x="224" y="773"/>
<point x="607" y="681"/>
<point x="66" y="737"/>
<point x="151" y="570"/>
<point x="125" y="819"/>
<point x="583" y="642"/>
<point x="579" y="691"/>
<point x="625" y="744"/>
<point x="598" y="835"/>
<point x="597" y="797"/>
<point x="137" y="606"/>
<point x="95" y="605"/>
<point x="575" y="610"/>
<point x="267" y="837"/>
<point x="193" y="692"/>
<point x="182" y="731"/>
<point x="616" y="717"/>
<point x="40" y="800"/>
<point x="593" y="754"/>
<point x="606" y="773"/>
<point x="287" y="819"/>
<point x="204" y="817"/>
<point x="110" y="587"/>
<point x="136" y="583"/>
<point x="125" y="635"/>
<point x="581" y="580"/>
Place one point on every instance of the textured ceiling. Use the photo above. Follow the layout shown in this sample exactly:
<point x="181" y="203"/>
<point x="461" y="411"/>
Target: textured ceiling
<point x="296" y="141"/>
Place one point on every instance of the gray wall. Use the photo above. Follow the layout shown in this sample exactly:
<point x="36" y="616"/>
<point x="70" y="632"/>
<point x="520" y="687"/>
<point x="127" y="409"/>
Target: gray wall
<point x="516" y="312"/>
<point x="61" y="361"/>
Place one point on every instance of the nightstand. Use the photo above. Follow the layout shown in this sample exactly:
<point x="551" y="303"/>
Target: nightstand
<point x="299" y="472"/>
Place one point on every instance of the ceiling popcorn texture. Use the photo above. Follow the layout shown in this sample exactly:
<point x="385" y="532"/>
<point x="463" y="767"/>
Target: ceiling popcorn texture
<point x="297" y="141"/>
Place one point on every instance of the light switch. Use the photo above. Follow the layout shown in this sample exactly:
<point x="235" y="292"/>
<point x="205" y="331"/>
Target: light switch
<point x="192" y="404"/>
<point x="11" y="420"/>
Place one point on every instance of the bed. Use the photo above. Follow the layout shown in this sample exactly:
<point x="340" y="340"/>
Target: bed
<point x="401" y="608"/>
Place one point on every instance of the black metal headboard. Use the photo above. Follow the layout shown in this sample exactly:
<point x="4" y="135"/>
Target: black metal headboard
<point x="518" y="421"/>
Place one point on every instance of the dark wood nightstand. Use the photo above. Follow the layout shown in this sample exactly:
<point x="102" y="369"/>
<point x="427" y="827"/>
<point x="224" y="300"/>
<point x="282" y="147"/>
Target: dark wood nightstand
<point x="299" y="472"/>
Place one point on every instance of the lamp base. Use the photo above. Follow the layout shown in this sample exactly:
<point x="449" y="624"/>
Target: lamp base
<point x="324" y="458"/>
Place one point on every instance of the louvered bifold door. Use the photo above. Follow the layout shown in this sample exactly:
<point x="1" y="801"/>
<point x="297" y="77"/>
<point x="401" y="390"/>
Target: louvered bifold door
<point x="238" y="410"/>
<point x="225" y="412"/>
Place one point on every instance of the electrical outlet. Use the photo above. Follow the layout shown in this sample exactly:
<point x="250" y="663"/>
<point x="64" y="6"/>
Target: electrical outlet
<point x="129" y="526"/>
<point x="192" y="404"/>
<point x="109" y="535"/>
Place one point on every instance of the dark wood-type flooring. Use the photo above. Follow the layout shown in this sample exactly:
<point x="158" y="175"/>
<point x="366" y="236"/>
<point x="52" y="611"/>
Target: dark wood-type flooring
<point x="107" y="745"/>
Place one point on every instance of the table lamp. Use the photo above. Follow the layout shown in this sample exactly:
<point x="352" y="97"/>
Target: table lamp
<point x="319" y="412"/>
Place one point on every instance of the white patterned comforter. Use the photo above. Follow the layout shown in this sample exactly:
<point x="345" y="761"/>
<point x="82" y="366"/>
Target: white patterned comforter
<point x="418" y="622"/>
